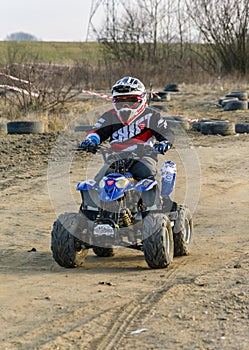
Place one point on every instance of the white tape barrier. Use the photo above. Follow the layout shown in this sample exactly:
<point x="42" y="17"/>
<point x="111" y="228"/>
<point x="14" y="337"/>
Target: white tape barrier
<point x="16" y="89"/>
<point x="101" y="95"/>
<point x="14" y="78"/>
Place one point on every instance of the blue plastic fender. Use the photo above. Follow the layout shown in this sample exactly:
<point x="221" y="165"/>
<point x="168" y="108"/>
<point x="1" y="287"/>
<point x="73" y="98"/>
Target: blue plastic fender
<point x="86" y="185"/>
<point x="145" y="185"/>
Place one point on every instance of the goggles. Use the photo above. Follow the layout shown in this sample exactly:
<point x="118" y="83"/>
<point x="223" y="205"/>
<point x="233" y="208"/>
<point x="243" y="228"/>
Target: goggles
<point x="131" y="102"/>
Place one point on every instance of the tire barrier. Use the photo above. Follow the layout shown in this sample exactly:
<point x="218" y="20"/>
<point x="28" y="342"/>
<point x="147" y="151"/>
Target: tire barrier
<point x="224" y="101"/>
<point x="223" y="128"/>
<point x="25" y="127"/>
<point x="235" y="100"/>
<point x="242" y="128"/>
<point x="196" y="126"/>
<point x="234" y="105"/>
<point x="172" y="87"/>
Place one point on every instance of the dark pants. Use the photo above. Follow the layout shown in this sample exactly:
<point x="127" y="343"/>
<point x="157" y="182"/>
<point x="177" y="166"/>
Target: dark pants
<point x="141" y="169"/>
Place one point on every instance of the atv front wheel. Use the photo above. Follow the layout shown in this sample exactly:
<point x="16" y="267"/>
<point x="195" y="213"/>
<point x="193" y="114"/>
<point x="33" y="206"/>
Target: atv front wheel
<point x="67" y="250"/>
<point x="158" y="245"/>
<point x="183" y="231"/>
<point x="103" y="252"/>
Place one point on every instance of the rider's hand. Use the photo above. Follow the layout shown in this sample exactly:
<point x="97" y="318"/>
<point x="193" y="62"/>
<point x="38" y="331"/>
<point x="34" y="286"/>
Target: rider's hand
<point x="90" y="144"/>
<point x="162" y="147"/>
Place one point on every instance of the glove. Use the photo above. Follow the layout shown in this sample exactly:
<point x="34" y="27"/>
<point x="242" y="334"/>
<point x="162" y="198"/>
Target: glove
<point x="162" y="147"/>
<point x="90" y="144"/>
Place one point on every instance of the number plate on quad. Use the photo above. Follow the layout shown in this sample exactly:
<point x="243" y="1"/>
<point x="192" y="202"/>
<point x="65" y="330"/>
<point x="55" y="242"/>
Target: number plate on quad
<point x="103" y="230"/>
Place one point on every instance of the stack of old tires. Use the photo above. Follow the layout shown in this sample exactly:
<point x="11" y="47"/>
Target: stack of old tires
<point x="218" y="127"/>
<point x="234" y="100"/>
<point x="211" y="126"/>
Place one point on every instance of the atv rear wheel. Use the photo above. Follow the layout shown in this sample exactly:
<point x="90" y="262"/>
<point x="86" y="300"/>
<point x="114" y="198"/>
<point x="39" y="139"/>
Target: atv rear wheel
<point x="103" y="252"/>
<point x="158" y="245"/>
<point x="183" y="231"/>
<point x="67" y="250"/>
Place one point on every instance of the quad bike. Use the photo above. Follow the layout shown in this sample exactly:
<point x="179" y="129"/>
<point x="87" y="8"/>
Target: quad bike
<point x="121" y="212"/>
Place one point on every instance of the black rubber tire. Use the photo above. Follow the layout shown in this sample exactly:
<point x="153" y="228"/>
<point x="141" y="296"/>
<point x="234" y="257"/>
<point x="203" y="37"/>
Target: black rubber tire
<point x="242" y="128"/>
<point x="103" y="252"/>
<point x="25" y="127"/>
<point x="67" y="249"/>
<point x="172" y="87"/>
<point x="223" y="128"/>
<point x="3" y="129"/>
<point x="158" y="244"/>
<point x="226" y="100"/>
<point x="196" y="126"/>
<point x="235" y="105"/>
<point x="183" y="231"/>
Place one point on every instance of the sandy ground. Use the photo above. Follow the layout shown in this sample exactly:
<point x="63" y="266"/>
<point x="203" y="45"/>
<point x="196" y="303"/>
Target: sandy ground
<point x="199" y="302"/>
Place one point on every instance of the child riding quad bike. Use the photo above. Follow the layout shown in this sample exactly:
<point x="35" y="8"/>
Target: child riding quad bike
<point x="127" y="203"/>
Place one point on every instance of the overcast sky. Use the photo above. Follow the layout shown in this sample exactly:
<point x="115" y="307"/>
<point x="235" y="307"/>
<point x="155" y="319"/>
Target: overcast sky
<point x="48" y="20"/>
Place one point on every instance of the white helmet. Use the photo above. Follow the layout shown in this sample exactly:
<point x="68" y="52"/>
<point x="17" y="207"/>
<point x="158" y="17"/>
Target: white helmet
<point x="129" y="99"/>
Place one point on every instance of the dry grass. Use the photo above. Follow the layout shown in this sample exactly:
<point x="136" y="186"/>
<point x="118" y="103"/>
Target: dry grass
<point x="201" y="101"/>
<point x="192" y="101"/>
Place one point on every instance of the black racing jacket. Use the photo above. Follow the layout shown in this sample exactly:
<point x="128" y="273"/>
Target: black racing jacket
<point x="144" y="129"/>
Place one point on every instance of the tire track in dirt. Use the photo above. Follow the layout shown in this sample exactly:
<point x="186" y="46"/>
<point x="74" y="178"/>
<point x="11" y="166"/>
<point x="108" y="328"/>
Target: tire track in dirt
<point x="45" y="334"/>
<point x="122" y="325"/>
<point x="104" y="330"/>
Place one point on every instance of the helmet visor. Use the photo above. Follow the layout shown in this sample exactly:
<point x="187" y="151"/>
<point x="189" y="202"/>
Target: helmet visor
<point x="131" y="102"/>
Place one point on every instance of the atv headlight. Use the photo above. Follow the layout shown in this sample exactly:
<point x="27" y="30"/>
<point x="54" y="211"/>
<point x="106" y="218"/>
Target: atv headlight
<point x="122" y="183"/>
<point x="102" y="183"/>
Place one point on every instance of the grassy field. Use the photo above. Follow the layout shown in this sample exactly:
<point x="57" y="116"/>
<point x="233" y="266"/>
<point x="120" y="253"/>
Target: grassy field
<point x="47" y="52"/>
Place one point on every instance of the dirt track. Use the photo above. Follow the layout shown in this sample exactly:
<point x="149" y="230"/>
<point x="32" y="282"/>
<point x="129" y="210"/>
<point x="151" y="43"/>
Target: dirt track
<point x="200" y="302"/>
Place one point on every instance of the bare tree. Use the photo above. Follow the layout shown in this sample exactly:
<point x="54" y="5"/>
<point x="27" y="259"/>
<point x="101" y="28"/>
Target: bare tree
<point x="34" y="86"/>
<point x="224" y="26"/>
<point x="146" y="29"/>
<point x="138" y="30"/>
